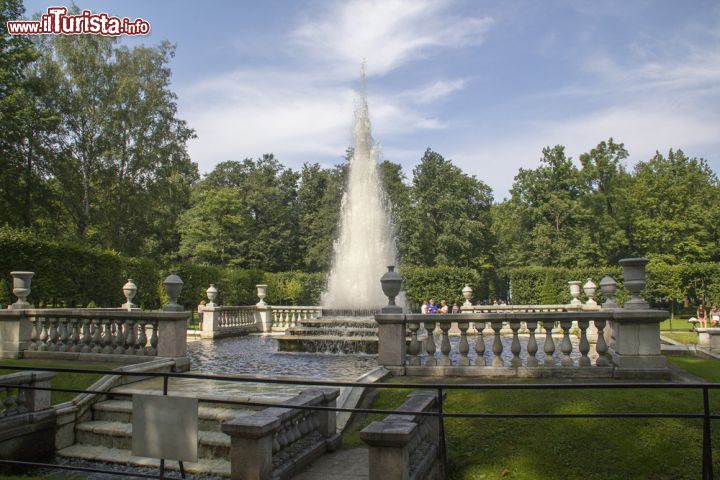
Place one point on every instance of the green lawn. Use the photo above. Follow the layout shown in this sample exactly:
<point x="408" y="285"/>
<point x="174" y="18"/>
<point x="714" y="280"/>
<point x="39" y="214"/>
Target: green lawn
<point x="63" y="380"/>
<point x="574" y="448"/>
<point x="689" y="338"/>
<point x="677" y="324"/>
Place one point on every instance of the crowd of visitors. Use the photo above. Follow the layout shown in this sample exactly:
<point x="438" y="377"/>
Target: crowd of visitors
<point x="429" y="307"/>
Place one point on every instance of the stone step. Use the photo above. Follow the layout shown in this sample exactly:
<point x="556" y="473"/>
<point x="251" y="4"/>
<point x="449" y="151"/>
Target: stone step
<point x="327" y="343"/>
<point x="335" y="323"/>
<point x="118" y="435"/>
<point x="217" y="467"/>
<point x="334" y="331"/>
<point x="209" y="418"/>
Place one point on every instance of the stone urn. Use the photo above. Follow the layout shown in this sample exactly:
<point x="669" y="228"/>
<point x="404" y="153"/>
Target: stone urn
<point x="608" y="286"/>
<point x="129" y="290"/>
<point x="261" y="293"/>
<point x="634" y="280"/>
<point x="467" y="293"/>
<point x="589" y="288"/>
<point x="391" y="282"/>
<point x="173" y="286"/>
<point x="575" y="292"/>
<point x="21" y="289"/>
<point x="211" y="293"/>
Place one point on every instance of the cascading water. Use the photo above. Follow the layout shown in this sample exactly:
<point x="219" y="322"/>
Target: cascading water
<point x="366" y="244"/>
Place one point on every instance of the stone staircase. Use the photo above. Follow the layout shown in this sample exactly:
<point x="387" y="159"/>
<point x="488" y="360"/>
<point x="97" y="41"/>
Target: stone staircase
<point x="108" y="438"/>
<point x="342" y="334"/>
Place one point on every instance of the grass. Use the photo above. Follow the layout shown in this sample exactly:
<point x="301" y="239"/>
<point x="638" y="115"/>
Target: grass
<point x="63" y="380"/>
<point x="679" y="324"/>
<point x="688" y="338"/>
<point x="585" y="449"/>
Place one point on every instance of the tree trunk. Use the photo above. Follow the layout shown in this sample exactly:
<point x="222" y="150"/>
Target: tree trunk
<point x="28" y="183"/>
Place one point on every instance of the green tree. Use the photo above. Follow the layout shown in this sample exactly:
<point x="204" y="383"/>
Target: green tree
<point x="448" y="221"/>
<point x="547" y="203"/>
<point x="253" y="205"/>
<point x="318" y="206"/>
<point x="606" y="182"/>
<point x="676" y="203"/>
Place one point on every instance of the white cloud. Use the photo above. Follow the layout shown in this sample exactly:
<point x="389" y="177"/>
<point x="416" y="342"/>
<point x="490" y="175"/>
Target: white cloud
<point x="305" y="114"/>
<point x="387" y="33"/>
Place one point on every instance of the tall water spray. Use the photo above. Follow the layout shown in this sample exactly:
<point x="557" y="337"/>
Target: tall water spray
<point x="366" y="244"/>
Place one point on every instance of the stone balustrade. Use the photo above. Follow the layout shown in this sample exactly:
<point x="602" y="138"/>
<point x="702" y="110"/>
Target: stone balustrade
<point x="526" y="308"/>
<point x="278" y="442"/>
<point x="224" y="321"/>
<point x="18" y="400"/>
<point x="284" y="317"/>
<point x="71" y="333"/>
<point x="634" y="344"/>
<point x="405" y="447"/>
<point x="27" y="421"/>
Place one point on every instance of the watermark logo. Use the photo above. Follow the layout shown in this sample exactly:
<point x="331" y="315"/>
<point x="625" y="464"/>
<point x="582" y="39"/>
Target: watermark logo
<point x="57" y="22"/>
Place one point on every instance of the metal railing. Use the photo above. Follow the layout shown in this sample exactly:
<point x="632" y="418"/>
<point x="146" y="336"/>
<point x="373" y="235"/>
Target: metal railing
<point x="706" y="416"/>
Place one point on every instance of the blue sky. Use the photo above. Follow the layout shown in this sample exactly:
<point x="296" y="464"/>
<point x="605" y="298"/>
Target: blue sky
<point x="486" y="84"/>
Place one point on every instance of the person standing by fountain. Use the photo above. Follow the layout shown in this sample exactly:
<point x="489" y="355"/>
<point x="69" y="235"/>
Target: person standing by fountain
<point x="443" y="306"/>
<point x="424" y="308"/>
<point x="432" y="308"/>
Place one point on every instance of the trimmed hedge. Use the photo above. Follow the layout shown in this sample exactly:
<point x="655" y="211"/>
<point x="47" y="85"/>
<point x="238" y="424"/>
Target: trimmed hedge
<point x="75" y="276"/>
<point x="444" y="282"/>
<point x="549" y="285"/>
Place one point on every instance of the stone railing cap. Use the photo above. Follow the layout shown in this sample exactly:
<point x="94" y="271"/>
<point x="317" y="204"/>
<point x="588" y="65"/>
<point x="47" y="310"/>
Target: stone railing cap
<point x="19" y="378"/>
<point x="647" y="315"/>
<point x="254" y="426"/>
<point x="388" y="434"/>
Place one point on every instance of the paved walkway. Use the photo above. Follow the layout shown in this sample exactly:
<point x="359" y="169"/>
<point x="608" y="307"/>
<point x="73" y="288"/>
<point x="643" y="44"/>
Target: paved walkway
<point x="341" y="465"/>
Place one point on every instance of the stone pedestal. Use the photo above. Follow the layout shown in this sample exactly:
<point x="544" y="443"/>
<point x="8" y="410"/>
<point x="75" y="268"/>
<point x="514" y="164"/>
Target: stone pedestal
<point x="209" y="323"/>
<point x="263" y="317"/>
<point x="15" y="330"/>
<point x="709" y="338"/>
<point x="635" y="344"/>
<point x="391" y="340"/>
<point x="172" y="336"/>
<point x="388" y="452"/>
<point x="251" y="446"/>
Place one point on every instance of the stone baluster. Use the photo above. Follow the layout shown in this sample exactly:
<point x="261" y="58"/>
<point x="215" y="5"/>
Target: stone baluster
<point x="107" y="337"/>
<point x="86" y="337"/>
<point x="584" y="346"/>
<point x="497" y="348"/>
<point x="430" y="342"/>
<point x="53" y="337"/>
<point x="129" y="337"/>
<point x="532" y="346"/>
<point x="480" y="346"/>
<point x="119" y="338"/>
<point x="153" y="339"/>
<point x="549" y="346"/>
<point x="44" y="333"/>
<point x="142" y="339"/>
<point x="113" y="336"/>
<point x="96" y="335"/>
<point x="464" y="347"/>
<point x="445" y="345"/>
<point x="63" y="333"/>
<point x="414" y="347"/>
<point x="75" y="334"/>
<point x="566" y="345"/>
<point x="9" y="402"/>
<point x="515" y="345"/>
<point x="34" y="333"/>
<point x="601" y="346"/>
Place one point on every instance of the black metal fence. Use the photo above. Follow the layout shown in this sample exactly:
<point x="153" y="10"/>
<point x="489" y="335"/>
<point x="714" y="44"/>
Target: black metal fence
<point x="441" y="388"/>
